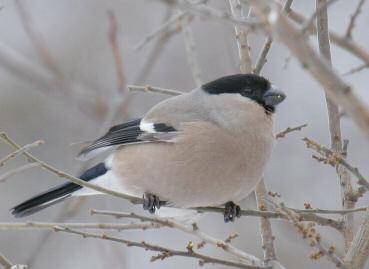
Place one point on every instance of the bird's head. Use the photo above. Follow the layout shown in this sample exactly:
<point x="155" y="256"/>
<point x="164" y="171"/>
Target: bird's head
<point x="254" y="87"/>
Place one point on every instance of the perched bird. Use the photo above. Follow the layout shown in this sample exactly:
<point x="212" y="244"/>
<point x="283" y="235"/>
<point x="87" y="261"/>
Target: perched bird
<point x="207" y="147"/>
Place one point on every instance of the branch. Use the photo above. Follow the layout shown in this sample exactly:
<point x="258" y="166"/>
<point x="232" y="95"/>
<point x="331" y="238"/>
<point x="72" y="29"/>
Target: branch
<point x="96" y="226"/>
<point x="8" y="265"/>
<point x="241" y="37"/>
<point x="341" y="93"/>
<point x="334" y="122"/>
<point x="37" y="40"/>
<point x="266" y="232"/>
<point x="163" y="251"/>
<point x="5" y="262"/>
<point x="356" y="69"/>
<point x="151" y="89"/>
<point x="321" y="8"/>
<point x="288" y="130"/>
<point x="190" y="46"/>
<point x="347" y="44"/>
<point x="268" y="43"/>
<point x="113" y="40"/>
<point x="354" y="16"/>
<point x="17" y="170"/>
<point x="309" y="233"/>
<point x="73" y="179"/>
<point x="44" y="81"/>
<point x="334" y="158"/>
<point x="160" y="30"/>
<point x="357" y="255"/>
<point x="216" y="14"/>
<point x="20" y="151"/>
<point x="193" y="230"/>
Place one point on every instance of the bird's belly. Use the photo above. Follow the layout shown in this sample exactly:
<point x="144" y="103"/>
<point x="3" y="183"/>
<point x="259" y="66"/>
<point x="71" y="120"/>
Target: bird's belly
<point x="190" y="175"/>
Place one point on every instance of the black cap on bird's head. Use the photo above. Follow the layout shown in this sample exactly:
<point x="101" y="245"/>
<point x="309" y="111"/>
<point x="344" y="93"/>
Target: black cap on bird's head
<point x="252" y="86"/>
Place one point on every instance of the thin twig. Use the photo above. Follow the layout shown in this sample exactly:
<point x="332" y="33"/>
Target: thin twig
<point x="333" y="158"/>
<point x="334" y="123"/>
<point x="329" y="211"/>
<point x="17" y="170"/>
<point x="241" y="37"/>
<point x="266" y="232"/>
<point x="151" y="89"/>
<point x="357" y="255"/>
<point x="71" y="178"/>
<point x="341" y="41"/>
<point x="315" y="240"/>
<point x="20" y="151"/>
<point x="268" y="43"/>
<point x="37" y="40"/>
<point x="356" y="69"/>
<point x="190" y="46"/>
<point x="113" y="40"/>
<point x="288" y="130"/>
<point x="216" y="14"/>
<point x="353" y="18"/>
<point x="308" y="23"/>
<point x="193" y="230"/>
<point x="163" y="28"/>
<point x="337" y="89"/>
<point x="164" y="252"/>
<point x="5" y="262"/>
<point x="95" y="226"/>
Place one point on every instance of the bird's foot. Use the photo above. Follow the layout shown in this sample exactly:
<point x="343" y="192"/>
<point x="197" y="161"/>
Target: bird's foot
<point x="231" y="211"/>
<point x="151" y="202"/>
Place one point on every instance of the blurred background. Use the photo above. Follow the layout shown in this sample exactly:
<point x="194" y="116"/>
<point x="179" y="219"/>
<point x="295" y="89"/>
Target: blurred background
<point x="77" y="36"/>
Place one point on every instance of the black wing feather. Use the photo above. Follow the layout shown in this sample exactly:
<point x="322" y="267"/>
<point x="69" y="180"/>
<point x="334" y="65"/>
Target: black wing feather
<point x="127" y="133"/>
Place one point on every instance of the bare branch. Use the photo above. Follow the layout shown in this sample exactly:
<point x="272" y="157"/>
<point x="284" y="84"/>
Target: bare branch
<point x="5" y="262"/>
<point x="268" y="43"/>
<point x="37" y="40"/>
<point x="165" y="252"/>
<point x="71" y="178"/>
<point x="151" y="89"/>
<point x="193" y="230"/>
<point x="20" y="151"/>
<point x="113" y="40"/>
<point x="347" y="44"/>
<point x="241" y="37"/>
<point x="288" y="130"/>
<point x="190" y="46"/>
<point x="44" y="81"/>
<point x="341" y="93"/>
<point x="310" y="234"/>
<point x="357" y="255"/>
<point x="17" y="170"/>
<point x="266" y="232"/>
<point x="356" y="69"/>
<point x="95" y="226"/>
<point x="319" y="9"/>
<point x="353" y="18"/>
<point x="8" y="265"/>
<point x="333" y="158"/>
<point x="334" y="122"/>
<point x="160" y="30"/>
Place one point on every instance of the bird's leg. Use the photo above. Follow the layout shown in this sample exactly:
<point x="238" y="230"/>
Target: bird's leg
<point x="231" y="211"/>
<point x="150" y="202"/>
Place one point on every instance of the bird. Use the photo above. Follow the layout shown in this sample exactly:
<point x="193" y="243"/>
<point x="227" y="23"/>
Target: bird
<point x="206" y="147"/>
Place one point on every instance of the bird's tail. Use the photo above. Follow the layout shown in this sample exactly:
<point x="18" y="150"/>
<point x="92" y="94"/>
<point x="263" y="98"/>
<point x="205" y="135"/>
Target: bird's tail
<point x="56" y="194"/>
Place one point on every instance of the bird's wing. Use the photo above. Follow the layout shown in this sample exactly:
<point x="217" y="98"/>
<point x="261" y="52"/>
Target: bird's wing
<point x="132" y="132"/>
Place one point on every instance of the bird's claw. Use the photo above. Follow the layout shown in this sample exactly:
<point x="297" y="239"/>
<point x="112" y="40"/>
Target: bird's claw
<point x="231" y="211"/>
<point x="150" y="202"/>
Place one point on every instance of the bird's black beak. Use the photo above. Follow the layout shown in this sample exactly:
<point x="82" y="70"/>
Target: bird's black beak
<point x="273" y="96"/>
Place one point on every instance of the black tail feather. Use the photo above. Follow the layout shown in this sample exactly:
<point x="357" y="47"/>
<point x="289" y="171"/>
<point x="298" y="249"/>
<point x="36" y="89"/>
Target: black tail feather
<point x="56" y="194"/>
